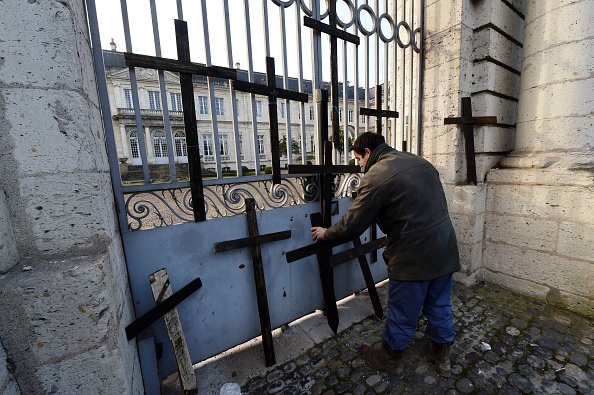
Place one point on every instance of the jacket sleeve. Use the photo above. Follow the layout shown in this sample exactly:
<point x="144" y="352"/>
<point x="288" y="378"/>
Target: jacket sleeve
<point x="359" y="216"/>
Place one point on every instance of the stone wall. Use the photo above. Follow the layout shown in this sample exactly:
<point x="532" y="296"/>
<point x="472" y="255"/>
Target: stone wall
<point x="473" y="49"/>
<point x="540" y="204"/>
<point x="64" y="295"/>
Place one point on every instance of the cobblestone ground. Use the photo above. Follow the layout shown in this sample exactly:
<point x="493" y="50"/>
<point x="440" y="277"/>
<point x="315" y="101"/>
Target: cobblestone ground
<point x="505" y="344"/>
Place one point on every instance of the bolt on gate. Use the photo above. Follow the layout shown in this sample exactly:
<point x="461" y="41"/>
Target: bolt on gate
<point x="214" y="115"/>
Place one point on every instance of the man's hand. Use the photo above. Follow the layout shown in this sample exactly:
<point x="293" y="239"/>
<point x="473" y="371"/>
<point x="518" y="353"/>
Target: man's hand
<point x="318" y="233"/>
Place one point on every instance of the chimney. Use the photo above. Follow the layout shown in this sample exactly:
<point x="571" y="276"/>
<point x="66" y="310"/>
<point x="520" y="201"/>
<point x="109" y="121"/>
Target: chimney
<point x="113" y="45"/>
<point x="237" y="65"/>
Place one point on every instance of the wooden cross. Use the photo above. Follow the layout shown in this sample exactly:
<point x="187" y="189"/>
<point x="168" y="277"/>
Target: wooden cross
<point x="273" y="94"/>
<point x="253" y="241"/>
<point x="166" y="301"/>
<point x="334" y="33"/>
<point x="467" y="121"/>
<point x="378" y="111"/>
<point x="186" y="70"/>
<point x="164" y="306"/>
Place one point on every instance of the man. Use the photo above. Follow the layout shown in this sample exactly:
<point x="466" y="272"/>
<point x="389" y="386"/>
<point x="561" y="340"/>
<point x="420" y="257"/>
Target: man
<point x="402" y="192"/>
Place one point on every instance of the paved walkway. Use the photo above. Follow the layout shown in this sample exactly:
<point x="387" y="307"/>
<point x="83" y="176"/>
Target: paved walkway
<point x="505" y="344"/>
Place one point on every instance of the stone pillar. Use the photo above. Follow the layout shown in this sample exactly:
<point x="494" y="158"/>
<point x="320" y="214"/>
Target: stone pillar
<point x="64" y="307"/>
<point x="540" y="204"/>
<point x="555" y="118"/>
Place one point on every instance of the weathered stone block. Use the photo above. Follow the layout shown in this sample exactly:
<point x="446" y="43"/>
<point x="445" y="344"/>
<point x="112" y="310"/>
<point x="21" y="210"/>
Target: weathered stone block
<point x="520" y="231"/>
<point x="71" y="139"/>
<point x="489" y="43"/>
<point x="491" y="77"/>
<point x="538" y="201"/>
<point x="557" y="23"/>
<point x="69" y="327"/>
<point x="542" y="267"/>
<point x="486" y="103"/>
<point x="524" y="286"/>
<point x="8" y="249"/>
<point x="77" y="203"/>
<point x="443" y="14"/>
<point x="501" y="15"/>
<point x="576" y="240"/>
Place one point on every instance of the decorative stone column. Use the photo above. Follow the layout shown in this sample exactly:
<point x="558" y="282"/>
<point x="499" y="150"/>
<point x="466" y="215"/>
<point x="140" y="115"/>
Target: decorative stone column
<point x="540" y="204"/>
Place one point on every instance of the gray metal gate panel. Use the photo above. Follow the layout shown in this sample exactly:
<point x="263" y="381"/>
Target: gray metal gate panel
<point x="223" y="312"/>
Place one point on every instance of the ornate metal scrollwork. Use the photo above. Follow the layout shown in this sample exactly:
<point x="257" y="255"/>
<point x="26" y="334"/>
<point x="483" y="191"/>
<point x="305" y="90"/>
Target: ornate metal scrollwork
<point x="154" y="209"/>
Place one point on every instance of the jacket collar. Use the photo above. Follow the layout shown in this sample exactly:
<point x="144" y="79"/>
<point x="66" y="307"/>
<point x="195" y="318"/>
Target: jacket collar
<point x="375" y="155"/>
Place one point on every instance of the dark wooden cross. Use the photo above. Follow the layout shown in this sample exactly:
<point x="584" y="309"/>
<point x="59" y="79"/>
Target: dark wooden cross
<point x="186" y="70"/>
<point x="253" y="241"/>
<point x="323" y="250"/>
<point x="334" y="33"/>
<point x="147" y="319"/>
<point x="273" y="94"/>
<point x="379" y="113"/>
<point x="467" y="121"/>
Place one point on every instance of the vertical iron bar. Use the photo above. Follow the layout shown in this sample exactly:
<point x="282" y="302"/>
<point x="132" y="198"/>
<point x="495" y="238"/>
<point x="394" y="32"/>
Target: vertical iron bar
<point x="300" y="81"/>
<point x="163" y="91"/>
<point x="334" y="76"/>
<point x="395" y="79"/>
<point x="356" y="82"/>
<point x="404" y="120"/>
<point x="112" y="154"/>
<point x="317" y="79"/>
<point x="345" y="103"/>
<point x="386" y="78"/>
<point x="412" y="75"/>
<point x="286" y="84"/>
<point x="366" y="79"/>
<point x="187" y="91"/>
<point x="135" y="100"/>
<point x="248" y="38"/>
<point x="211" y="92"/>
<point x="232" y="93"/>
<point x="421" y="55"/>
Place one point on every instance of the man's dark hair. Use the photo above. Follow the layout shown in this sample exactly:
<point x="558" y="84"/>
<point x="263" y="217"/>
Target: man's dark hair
<point x="367" y="140"/>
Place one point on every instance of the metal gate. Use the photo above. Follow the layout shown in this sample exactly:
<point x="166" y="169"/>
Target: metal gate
<point x="151" y="153"/>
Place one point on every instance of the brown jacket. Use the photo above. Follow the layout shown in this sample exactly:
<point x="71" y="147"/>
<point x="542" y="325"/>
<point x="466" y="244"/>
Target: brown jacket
<point x="402" y="192"/>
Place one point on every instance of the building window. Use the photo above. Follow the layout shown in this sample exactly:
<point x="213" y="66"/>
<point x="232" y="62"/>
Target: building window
<point x="219" y="106"/>
<point x="340" y="114"/>
<point x="240" y="145"/>
<point x="261" y="145"/>
<point x="179" y="139"/>
<point x="128" y="97"/>
<point x="160" y="144"/>
<point x="202" y="105"/>
<point x="207" y="150"/>
<point x="311" y="113"/>
<point x="282" y="110"/>
<point x="312" y="143"/>
<point x="258" y="108"/>
<point x="224" y="144"/>
<point x="176" y="104"/>
<point x="154" y="100"/>
<point x="134" y="147"/>
<point x="362" y="119"/>
<point x="350" y="115"/>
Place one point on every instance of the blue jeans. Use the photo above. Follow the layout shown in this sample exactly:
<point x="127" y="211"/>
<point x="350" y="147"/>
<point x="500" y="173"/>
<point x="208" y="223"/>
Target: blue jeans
<point x="406" y="299"/>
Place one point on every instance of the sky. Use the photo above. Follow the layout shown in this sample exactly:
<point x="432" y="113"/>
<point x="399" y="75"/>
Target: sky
<point x="142" y="37"/>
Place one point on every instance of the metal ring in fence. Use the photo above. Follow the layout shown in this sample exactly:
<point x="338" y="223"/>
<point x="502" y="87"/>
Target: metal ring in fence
<point x="309" y="12"/>
<point x="373" y="19"/>
<point x="408" y="30"/>
<point x="415" y="43"/>
<point x="284" y="4"/>
<point x="390" y="21"/>
<point x="352" y="10"/>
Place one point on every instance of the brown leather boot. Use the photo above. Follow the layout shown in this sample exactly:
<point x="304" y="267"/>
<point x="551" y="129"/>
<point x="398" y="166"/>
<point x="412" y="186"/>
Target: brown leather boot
<point x="441" y="355"/>
<point x="383" y="358"/>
